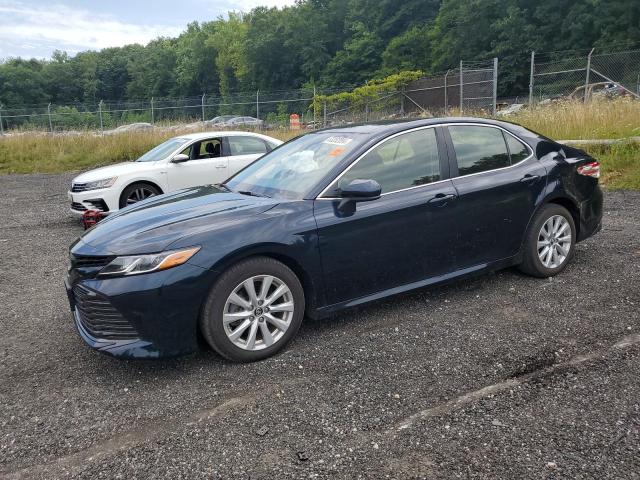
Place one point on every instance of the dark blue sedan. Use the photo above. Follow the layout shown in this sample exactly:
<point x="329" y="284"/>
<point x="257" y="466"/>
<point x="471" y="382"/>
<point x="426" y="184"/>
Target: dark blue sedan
<point x="330" y="220"/>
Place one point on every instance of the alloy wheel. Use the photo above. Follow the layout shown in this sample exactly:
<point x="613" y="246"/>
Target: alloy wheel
<point x="138" y="194"/>
<point x="554" y="241"/>
<point x="258" y="312"/>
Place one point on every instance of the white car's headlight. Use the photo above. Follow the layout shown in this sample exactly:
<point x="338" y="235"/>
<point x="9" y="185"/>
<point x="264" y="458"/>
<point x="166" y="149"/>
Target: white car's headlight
<point x="104" y="183"/>
<point x="136" y="264"/>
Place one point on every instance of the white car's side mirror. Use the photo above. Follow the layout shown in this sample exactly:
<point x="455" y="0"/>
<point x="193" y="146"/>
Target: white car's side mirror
<point x="181" y="157"/>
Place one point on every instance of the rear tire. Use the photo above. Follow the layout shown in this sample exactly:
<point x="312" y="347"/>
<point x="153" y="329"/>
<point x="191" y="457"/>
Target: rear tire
<point x="253" y="310"/>
<point x="549" y="243"/>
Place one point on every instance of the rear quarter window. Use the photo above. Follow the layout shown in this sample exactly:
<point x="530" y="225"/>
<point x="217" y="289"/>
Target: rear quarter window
<point x="517" y="149"/>
<point x="478" y="148"/>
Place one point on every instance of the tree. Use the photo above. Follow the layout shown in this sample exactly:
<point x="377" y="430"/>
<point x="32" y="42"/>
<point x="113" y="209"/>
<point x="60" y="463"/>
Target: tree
<point x="358" y="61"/>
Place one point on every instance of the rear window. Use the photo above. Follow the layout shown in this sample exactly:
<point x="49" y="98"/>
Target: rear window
<point x="246" y="145"/>
<point x="479" y="149"/>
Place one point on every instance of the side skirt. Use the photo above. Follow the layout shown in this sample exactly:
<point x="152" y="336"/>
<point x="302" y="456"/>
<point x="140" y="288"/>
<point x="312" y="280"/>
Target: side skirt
<point x="476" y="270"/>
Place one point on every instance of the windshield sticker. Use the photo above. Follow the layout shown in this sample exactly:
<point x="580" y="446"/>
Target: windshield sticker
<point x="336" y="152"/>
<point x="338" y="140"/>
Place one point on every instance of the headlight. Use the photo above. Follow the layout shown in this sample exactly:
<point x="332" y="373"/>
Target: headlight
<point x="105" y="183"/>
<point x="136" y="264"/>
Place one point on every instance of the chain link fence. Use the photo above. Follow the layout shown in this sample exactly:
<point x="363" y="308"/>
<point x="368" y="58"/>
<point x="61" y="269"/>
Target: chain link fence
<point x="470" y="88"/>
<point x="582" y="76"/>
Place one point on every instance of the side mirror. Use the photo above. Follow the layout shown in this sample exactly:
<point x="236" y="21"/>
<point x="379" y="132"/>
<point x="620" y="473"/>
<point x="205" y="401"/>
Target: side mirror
<point x="361" y="190"/>
<point x="180" y="158"/>
<point x="357" y="191"/>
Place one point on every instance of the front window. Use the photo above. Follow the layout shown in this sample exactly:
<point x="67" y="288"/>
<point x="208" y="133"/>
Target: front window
<point x="293" y="169"/>
<point x="405" y="161"/>
<point x="163" y="150"/>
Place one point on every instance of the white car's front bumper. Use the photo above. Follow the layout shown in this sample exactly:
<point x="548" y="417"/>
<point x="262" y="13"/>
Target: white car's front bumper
<point x="105" y="199"/>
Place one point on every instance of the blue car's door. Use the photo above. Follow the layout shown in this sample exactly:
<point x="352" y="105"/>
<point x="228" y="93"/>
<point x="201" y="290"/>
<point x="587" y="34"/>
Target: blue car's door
<point x="404" y="236"/>
<point x="499" y="183"/>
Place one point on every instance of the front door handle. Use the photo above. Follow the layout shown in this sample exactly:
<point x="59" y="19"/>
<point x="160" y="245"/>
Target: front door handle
<point x="528" y="178"/>
<point x="221" y="166"/>
<point x="441" y="199"/>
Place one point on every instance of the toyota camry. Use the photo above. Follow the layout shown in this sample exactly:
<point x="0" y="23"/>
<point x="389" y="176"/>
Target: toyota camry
<point x="330" y="220"/>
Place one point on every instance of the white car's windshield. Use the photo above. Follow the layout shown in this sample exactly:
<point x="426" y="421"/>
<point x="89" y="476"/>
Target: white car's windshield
<point x="161" y="151"/>
<point x="293" y="169"/>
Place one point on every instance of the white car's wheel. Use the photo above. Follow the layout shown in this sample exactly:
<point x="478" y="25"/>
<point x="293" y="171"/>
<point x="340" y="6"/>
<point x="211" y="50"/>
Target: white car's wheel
<point x="136" y="192"/>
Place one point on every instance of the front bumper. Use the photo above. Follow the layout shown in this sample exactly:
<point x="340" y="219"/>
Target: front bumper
<point x="162" y="310"/>
<point x="105" y="200"/>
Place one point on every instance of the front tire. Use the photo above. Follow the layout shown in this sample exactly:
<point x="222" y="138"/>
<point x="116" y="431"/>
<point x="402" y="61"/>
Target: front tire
<point x="136" y="192"/>
<point x="254" y="309"/>
<point x="549" y="243"/>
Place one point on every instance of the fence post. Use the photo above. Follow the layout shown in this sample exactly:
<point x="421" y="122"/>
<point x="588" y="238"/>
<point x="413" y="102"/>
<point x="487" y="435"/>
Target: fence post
<point x="49" y="115"/>
<point x="152" y="113"/>
<point x="315" y="125"/>
<point x="495" y="85"/>
<point x="461" y="89"/>
<point x="202" y="104"/>
<point x="366" y="112"/>
<point x="446" y="100"/>
<point x="324" y="122"/>
<point x="531" y="73"/>
<point x="258" y="104"/>
<point x="1" y="126"/>
<point x="586" y="81"/>
<point x="402" y="95"/>
<point x="100" y="114"/>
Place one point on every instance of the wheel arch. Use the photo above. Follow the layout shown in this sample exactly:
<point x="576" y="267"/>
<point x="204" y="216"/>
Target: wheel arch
<point x="564" y="201"/>
<point x="571" y="205"/>
<point x="277" y="252"/>
<point x="139" y="181"/>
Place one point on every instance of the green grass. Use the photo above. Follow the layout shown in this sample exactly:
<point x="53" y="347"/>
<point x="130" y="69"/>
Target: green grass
<point x="620" y="164"/>
<point x="41" y="153"/>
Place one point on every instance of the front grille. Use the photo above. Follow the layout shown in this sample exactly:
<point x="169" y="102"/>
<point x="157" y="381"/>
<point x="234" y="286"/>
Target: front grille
<point x="99" y="317"/>
<point x="78" y="187"/>
<point x="90" y="261"/>
<point x="78" y="206"/>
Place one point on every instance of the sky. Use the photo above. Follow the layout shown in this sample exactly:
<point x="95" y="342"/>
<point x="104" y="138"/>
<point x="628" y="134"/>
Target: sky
<point x="35" y="28"/>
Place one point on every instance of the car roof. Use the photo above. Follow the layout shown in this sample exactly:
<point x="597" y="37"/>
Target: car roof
<point x="221" y="133"/>
<point x="393" y="126"/>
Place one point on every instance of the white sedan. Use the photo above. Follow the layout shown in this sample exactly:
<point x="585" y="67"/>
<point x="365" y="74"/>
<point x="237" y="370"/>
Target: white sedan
<point x="180" y="162"/>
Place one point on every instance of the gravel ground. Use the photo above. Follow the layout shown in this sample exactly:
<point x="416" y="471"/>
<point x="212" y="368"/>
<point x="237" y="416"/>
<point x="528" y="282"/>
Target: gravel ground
<point x="503" y="376"/>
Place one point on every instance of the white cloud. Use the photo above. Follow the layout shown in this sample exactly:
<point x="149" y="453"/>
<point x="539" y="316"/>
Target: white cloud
<point x="61" y="27"/>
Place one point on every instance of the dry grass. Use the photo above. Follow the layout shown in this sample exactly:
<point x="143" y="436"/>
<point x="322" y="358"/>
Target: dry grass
<point x="42" y="153"/>
<point x="578" y="121"/>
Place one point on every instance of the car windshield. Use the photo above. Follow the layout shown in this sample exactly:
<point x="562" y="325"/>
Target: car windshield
<point x="161" y="151"/>
<point x="293" y="169"/>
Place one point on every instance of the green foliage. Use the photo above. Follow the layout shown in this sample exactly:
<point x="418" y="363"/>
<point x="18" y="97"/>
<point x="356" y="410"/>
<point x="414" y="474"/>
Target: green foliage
<point x="372" y="90"/>
<point x="327" y="43"/>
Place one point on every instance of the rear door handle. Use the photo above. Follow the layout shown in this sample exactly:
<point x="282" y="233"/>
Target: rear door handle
<point x="441" y="199"/>
<point x="528" y="178"/>
<point x="221" y="166"/>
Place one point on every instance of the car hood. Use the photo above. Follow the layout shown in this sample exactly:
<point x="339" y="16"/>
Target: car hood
<point x="109" y="171"/>
<point x="154" y="224"/>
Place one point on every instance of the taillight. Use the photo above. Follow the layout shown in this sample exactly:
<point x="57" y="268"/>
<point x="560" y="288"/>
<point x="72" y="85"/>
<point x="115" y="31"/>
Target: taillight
<point x="590" y="170"/>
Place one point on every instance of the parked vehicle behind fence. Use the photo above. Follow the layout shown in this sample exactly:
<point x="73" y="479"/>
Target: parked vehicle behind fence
<point x="180" y="162"/>
<point x="244" y="122"/>
<point x="330" y="220"/>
